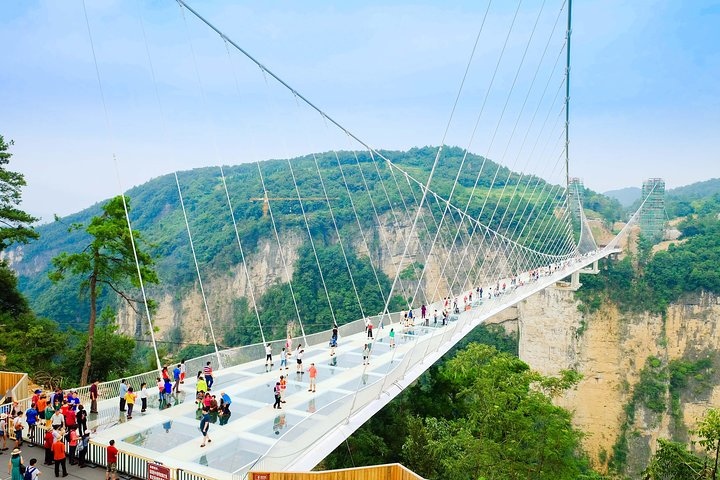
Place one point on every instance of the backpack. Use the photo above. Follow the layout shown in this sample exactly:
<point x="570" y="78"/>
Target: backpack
<point x="28" y="475"/>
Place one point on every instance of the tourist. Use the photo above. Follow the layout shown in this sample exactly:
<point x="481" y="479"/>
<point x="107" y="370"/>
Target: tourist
<point x="299" y="356"/>
<point x="333" y="345"/>
<point x="201" y="385"/>
<point x="72" y="442"/>
<point x="130" y="397"/>
<point x="277" y="393"/>
<point x="225" y="400"/>
<point x="123" y="391"/>
<point x="31" y="419"/>
<point x="312" y="371"/>
<point x="268" y="356"/>
<point x="32" y="472"/>
<point x="283" y="359"/>
<point x="47" y="445"/>
<point x="366" y="354"/>
<point x="435" y="317"/>
<point x="94" y="396"/>
<point x="70" y="416"/>
<point x="369" y="329"/>
<point x="176" y="377"/>
<point x="167" y="391"/>
<point x="392" y="338"/>
<point x="81" y="418"/>
<point x="83" y="446"/>
<point x="143" y="397"/>
<point x="183" y="369"/>
<point x="423" y="310"/>
<point x="73" y="399"/>
<point x="18" y="426"/>
<point x="283" y="386"/>
<point x="161" y="392"/>
<point x="40" y="405"/>
<point x="164" y="373"/>
<point x="112" y="454"/>
<point x="58" y="449"/>
<point x="14" y="465"/>
<point x="205" y="425"/>
<point x="3" y="430"/>
<point x="208" y="373"/>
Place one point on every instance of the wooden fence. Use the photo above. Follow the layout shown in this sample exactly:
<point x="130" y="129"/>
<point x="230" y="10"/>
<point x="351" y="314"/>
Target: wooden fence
<point x="394" y="471"/>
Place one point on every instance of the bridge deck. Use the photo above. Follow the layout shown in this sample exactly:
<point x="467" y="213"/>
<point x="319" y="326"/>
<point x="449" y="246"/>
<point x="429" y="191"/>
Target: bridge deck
<point x="282" y="438"/>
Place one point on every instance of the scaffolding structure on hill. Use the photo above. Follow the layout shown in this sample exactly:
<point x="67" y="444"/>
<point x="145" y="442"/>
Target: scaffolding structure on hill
<point x="652" y="214"/>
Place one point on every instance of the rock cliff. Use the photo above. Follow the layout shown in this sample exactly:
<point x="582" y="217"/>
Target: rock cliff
<point x="610" y="349"/>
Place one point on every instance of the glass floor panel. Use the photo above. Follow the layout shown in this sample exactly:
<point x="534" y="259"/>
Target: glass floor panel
<point x="164" y="436"/>
<point x="232" y="457"/>
<point x="279" y="425"/>
<point x="365" y="380"/>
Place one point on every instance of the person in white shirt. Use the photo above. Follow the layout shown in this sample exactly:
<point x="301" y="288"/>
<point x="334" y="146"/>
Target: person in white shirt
<point x="283" y="359"/>
<point x="298" y="356"/>
<point x="268" y="356"/>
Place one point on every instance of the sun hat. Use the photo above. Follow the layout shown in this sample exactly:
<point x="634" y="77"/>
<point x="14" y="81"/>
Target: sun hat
<point x="16" y="451"/>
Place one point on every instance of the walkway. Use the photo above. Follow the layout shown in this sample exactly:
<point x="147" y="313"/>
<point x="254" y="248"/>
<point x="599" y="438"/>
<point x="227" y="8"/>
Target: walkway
<point x="347" y="394"/>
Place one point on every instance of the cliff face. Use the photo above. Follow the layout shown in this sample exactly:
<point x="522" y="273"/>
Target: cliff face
<point x="610" y="349"/>
<point x="181" y="315"/>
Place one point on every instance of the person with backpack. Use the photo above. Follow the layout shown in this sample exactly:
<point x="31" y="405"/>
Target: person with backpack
<point x="32" y="472"/>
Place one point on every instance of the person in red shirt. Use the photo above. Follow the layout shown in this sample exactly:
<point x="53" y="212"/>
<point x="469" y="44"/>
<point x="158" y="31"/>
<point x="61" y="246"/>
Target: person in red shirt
<point x="70" y="418"/>
<point x="47" y="444"/>
<point x="58" y="449"/>
<point x="112" y="454"/>
<point x="313" y="377"/>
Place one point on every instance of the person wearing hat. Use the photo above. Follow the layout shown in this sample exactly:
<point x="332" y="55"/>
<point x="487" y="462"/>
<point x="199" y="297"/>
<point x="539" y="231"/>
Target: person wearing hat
<point x="3" y="430"/>
<point x="14" y="464"/>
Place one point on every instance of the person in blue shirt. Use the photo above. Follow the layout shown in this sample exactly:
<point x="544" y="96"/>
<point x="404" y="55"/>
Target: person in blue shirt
<point x="225" y="398"/>
<point x="31" y="419"/>
<point x="167" y="392"/>
<point x="176" y="376"/>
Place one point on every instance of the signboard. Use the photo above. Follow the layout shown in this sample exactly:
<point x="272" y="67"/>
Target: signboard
<point x="261" y="476"/>
<point x="158" y="472"/>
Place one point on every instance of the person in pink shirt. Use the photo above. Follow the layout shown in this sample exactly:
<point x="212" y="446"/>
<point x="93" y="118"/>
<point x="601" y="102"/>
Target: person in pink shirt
<point x="313" y="377"/>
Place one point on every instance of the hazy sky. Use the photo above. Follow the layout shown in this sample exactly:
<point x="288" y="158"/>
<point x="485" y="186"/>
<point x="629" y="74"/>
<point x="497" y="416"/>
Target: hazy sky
<point x="645" y="89"/>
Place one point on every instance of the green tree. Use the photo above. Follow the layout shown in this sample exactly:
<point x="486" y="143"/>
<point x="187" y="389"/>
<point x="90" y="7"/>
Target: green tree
<point x="14" y="223"/>
<point x="673" y="461"/>
<point x="709" y="432"/>
<point x="499" y="423"/>
<point x="106" y="261"/>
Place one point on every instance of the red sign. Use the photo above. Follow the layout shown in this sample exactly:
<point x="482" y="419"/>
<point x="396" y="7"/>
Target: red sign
<point x="158" y="472"/>
<point x="261" y="476"/>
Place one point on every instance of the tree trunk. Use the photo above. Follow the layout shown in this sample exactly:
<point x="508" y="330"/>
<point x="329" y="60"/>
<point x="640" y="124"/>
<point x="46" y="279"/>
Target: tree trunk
<point x="717" y="453"/>
<point x="91" y="324"/>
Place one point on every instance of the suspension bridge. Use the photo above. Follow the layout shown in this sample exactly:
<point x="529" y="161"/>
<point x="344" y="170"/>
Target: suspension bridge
<point x="479" y="236"/>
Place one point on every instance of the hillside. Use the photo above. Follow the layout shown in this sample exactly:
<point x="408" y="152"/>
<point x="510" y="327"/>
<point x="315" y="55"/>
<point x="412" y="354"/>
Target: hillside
<point x="626" y="196"/>
<point x="157" y="214"/>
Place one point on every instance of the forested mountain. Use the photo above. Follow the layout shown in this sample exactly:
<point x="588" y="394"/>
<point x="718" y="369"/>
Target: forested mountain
<point x="626" y="196"/>
<point x="380" y="195"/>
